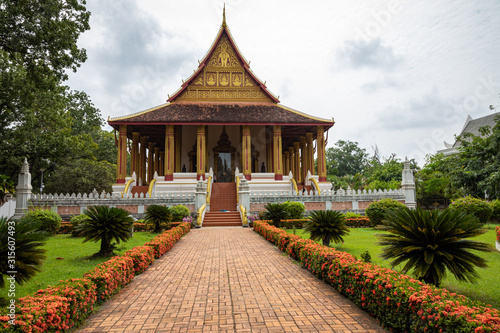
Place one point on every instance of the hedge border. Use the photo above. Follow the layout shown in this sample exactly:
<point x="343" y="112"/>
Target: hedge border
<point x="65" y="305"/>
<point x="399" y="302"/>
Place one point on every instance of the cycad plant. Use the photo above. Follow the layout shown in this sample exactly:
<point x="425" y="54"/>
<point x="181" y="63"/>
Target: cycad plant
<point x="276" y="212"/>
<point x="327" y="225"/>
<point x="26" y="250"/>
<point x="105" y="224"/>
<point x="432" y="243"/>
<point x="157" y="215"/>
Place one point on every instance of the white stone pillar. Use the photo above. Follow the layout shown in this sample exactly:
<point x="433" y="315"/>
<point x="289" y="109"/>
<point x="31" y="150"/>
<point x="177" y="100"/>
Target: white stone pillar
<point x="23" y="191"/>
<point x="408" y="186"/>
<point x="244" y="197"/>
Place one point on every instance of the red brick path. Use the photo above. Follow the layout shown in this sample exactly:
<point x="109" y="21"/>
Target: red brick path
<point x="228" y="280"/>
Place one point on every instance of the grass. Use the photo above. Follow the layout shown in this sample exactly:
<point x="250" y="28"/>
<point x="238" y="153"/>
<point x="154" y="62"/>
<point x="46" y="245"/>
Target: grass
<point x="485" y="289"/>
<point x="67" y="258"/>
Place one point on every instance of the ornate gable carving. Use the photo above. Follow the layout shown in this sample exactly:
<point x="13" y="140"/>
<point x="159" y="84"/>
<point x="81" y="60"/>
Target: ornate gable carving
<point x="223" y="79"/>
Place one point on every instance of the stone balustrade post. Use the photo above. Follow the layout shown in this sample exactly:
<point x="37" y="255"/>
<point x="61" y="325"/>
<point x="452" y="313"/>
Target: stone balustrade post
<point x="408" y="186"/>
<point x="23" y="191"/>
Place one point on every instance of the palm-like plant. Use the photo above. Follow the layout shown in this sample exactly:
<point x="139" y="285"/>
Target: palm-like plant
<point x="327" y="225"/>
<point x="432" y="242"/>
<point x="28" y="254"/>
<point x="105" y="224"/>
<point x="276" y="212"/>
<point x="157" y="215"/>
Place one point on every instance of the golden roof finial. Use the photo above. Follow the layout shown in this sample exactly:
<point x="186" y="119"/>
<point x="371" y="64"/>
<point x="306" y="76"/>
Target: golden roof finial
<point x="224" y="15"/>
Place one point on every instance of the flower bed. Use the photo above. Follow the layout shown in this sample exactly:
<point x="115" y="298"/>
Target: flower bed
<point x="65" y="228"/>
<point x="67" y="304"/>
<point x="398" y="301"/>
<point x="498" y="233"/>
<point x="358" y="222"/>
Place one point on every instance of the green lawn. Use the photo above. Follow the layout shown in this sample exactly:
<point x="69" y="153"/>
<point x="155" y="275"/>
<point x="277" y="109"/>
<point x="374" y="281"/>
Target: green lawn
<point x="486" y="289"/>
<point x="68" y="257"/>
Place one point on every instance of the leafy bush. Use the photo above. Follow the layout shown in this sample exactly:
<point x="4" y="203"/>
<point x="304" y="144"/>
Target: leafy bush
<point x="495" y="205"/>
<point x="49" y="221"/>
<point x="276" y="212"/>
<point x="433" y="242"/>
<point x="327" y="225"/>
<point x="75" y="222"/>
<point x="27" y="249"/>
<point x="158" y="215"/>
<point x="351" y="215"/>
<point x="358" y="222"/>
<point x="376" y="210"/>
<point x="497" y="229"/>
<point x="179" y="212"/>
<point x="295" y="209"/>
<point x="477" y="207"/>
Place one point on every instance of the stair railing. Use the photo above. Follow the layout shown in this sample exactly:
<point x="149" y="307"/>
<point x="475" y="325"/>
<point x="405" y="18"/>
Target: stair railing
<point x="152" y="187"/>
<point x="243" y="216"/>
<point x="209" y="189"/>
<point x="201" y="216"/>
<point x="237" y="190"/>
<point x="128" y="188"/>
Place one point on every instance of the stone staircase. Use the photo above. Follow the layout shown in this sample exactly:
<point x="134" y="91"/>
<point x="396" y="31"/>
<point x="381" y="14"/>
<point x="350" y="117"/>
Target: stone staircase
<point x="139" y="190"/>
<point x="223" y="207"/>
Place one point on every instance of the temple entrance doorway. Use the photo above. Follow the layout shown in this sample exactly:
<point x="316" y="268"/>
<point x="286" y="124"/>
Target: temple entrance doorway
<point x="224" y="161"/>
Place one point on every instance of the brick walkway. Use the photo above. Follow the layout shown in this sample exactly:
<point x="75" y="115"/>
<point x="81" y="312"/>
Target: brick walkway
<point x="228" y="280"/>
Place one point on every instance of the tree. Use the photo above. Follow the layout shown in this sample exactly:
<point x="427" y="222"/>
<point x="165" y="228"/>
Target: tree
<point x="433" y="242"/>
<point x="28" y="252"/>
<point x="385" y="174"/>
<point x="105" y="224"/>
<point x="478" y="169"/>
<point x="327" y="225"/>
<point x="81" y="176"/>
<point x="347" y="158"/>
<point x="157" y="215"/>
<point x="6" y="187"/>
<point x="433" y="180"/>
<point x="276" y="212"/>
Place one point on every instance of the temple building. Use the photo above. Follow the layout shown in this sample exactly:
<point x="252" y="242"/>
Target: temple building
<point x="221" y="125"/>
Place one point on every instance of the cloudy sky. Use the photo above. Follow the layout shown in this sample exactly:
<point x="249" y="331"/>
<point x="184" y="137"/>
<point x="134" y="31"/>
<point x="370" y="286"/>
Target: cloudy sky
<point x="402" y="75"/>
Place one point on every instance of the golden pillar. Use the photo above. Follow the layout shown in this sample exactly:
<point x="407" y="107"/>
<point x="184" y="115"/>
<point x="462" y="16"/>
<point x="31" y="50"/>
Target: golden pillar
<point x="286" y="158"/>
<point x="320" y="144"/>
<point x="292" y="160"/>
<point x="178" y="148"/>
<point x="161" y="167"/>
<point x="134" y="159"/>
<point x="201" y="152"/>
<point x="151" y="161"/>
<point x="310" y="153"/>
<point x="169" y="153"/>
<point x="121" y="168"/>
<point x="142" y="174"/>
<point x="303" y="158"/>
<point x="269" y="151"/>
<point x="277" y="155"/>
<point x="298" y="174"/>
<point x="246" y="153"/>
<point x="157" y="160"/>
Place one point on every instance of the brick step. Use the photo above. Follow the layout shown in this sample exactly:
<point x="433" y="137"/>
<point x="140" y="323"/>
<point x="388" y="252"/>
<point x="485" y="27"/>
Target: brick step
<point x="139" y="189"/>
<point x="223" y="197"/>
<point x="222" y="219"/>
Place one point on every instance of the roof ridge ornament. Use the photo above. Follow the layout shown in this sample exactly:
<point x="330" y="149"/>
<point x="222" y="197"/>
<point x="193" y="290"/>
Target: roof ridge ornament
<point x="224" y="16"/>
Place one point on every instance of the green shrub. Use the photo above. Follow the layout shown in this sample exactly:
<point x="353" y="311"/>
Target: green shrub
<point x="75" y="221"/>
<point x="295" y="209"/>
<point x="495" y="205"/>
<point x="49" y="221"/>
<point x="179" y="212"/>
<point x="477" y="207"/>
<point x="352" y="215"/>
<point x="376" y="210"/>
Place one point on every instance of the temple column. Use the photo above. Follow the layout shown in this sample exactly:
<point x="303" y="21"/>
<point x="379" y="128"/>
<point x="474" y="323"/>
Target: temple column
<point x="298" y="174"/>
<point x="157" y="161"/>
<point x="320" y="144"/>
<point x="310" y="153"/>
<point x="121" y="168"/>
<point x="161" y="168"/>
<point x="277" y="155"/>
<point x="151" y="161"/>
<point x="169" y="153"/>
<point x="246" y="153"/>
<point x="200" y="152"/>
<point x="142" y="174"/>
<point x="292" y="160"/>
<point x="134" y="159"/>
<point x="287" y="163"/>
<point x="303" y="158"/>
<point x="178" y="148"/>
<point x="269" y="152"/>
